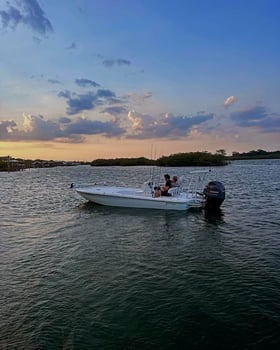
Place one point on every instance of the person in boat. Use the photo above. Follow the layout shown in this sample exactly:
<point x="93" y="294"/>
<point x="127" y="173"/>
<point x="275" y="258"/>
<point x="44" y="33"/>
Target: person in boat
<point x="163" y="191"/>
<point x="174" y="181"/>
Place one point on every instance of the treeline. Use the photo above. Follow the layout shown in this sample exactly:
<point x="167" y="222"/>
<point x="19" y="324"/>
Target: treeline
<point x="259" y="154"/>
<point x="122" y="162"/>
<point x="174" y="160"/>
<point x="193" y="159"/>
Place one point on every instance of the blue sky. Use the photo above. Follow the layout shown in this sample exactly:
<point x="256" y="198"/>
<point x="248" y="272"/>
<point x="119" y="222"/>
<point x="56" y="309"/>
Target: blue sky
<point x="83" y="79"/>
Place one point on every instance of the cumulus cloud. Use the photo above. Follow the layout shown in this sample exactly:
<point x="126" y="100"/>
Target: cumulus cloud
<point x="38" y="128"/>
<point x="27" y="12"/>
<point x="229" y="101"/>
<point x="86" y="83"/>
<point x="119" y="62"/>
<point x="64" y="129"/>
<point x="257" y="116"/>
<point x="136" y="126"/>
<point x="115" y="110"/>
<point x="121" y="123"/>
<point x="7" y="127"/>
<point x="168" y="126"/>
<point x="93" y="127"/>
<point x="34" y="128"/>
<point x="140" y="122"/>
<point x="82" y="102"/>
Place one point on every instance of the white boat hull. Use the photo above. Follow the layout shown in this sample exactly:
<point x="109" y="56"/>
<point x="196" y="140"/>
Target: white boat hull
<point x="136" y="198"/>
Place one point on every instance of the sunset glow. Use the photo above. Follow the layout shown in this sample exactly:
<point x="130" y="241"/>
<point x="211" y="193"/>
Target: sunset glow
<point x="86" y="79"/>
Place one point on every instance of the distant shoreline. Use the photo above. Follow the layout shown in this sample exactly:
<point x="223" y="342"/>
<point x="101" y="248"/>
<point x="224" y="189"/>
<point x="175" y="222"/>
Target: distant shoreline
<point x="189" y="159"/>
<point x="206" y="159"/>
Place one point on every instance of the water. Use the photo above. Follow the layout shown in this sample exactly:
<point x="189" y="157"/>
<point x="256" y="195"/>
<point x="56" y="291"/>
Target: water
<point x="79" y="276"/>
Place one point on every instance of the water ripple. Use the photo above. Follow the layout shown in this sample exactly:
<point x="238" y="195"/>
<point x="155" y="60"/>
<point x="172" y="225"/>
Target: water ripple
<point x="79" y="276"/>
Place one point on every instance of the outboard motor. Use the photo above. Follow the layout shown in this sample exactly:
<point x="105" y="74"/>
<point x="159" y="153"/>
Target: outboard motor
<point x="214" y="193"/>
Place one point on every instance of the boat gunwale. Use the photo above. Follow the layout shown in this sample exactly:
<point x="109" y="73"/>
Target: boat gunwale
<point x="171" y="199"/>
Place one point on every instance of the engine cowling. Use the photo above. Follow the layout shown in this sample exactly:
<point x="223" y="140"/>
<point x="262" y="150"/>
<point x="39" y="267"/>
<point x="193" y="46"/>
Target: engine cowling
<point x="215" y="194"/>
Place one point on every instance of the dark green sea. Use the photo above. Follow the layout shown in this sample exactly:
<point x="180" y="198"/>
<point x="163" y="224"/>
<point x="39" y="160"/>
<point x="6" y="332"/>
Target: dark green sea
<point x="74" y="275"/>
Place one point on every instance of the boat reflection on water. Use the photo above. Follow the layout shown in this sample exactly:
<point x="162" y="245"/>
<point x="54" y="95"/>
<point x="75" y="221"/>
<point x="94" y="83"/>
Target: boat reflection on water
<point x="103" y="210"/>
<point x="214" y="217"/>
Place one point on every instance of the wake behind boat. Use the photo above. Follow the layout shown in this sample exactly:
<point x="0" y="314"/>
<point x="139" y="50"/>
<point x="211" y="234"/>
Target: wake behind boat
<point x="178" y="198"/>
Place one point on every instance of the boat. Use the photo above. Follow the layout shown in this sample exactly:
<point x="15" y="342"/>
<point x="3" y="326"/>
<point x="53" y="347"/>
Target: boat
<point x="178" y="198"/>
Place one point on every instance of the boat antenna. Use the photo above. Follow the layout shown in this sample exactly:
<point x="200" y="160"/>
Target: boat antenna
<point x="154" y="166"/>
<point x="151" y="168"/>
<point x="159" y="170"/>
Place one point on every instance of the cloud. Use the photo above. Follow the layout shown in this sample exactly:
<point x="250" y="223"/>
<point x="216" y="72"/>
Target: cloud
<point x="229" y="101"/>
<point x="93" y="127"/>
<point x="140" y="122"/>
<point x="168" y="126"/>
<point x="27" y="12"/>
<point x="37" y="77"/>
<point x="7" y="127"/>
<point x="108" y="63"/>
<point x="64" y="120"/>
<point x="136" y="126"/>
<point x="86" y="83"/>
<point x="139" y="98"/>
<point x="82" y="102"/>
<point x="64" y="130"/>
<point x="116" y="110"/>
<point x="34" y="128"/>
<point x="38" y="128"/>
<point x="257" y="116"/>
<point x="120" y="62"/>
<point x="54" y="81"/>
<point x="105" y="93"/>
<point x="65" y="94"/>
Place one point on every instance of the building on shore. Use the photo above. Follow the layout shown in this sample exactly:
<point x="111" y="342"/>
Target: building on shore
<point x="8" y="163"/>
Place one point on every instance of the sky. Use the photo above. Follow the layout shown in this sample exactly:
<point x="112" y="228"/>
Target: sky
<point x="87" y="79"/>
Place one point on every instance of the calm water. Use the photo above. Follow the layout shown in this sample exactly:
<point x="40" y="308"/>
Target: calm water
<point x="79" y="276"/>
